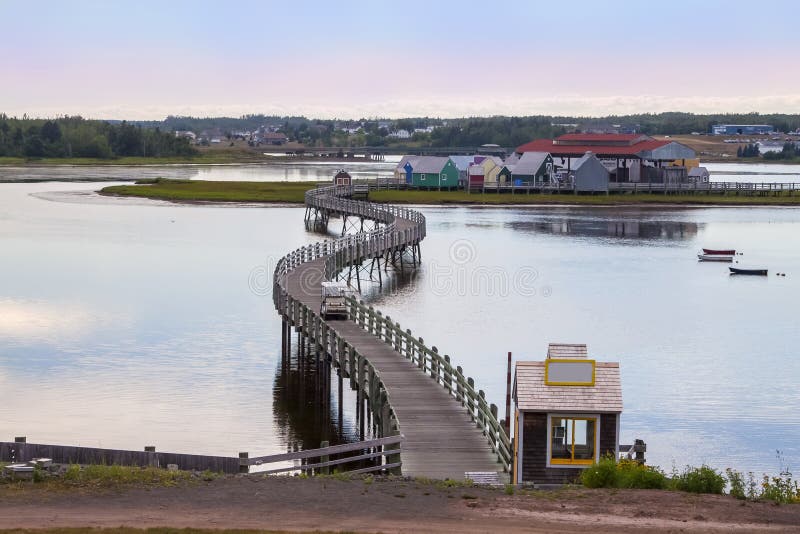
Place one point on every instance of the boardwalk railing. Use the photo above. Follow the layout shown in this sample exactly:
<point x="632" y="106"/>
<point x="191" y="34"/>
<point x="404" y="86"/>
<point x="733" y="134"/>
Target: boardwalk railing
<point x="388" y="447"/>
<point x="440" y="368"/>
<point x="352" y="249"/>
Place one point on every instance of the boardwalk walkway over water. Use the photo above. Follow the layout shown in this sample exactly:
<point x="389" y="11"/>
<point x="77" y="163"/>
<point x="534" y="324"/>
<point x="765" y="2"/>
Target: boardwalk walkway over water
<point x="448" y="428"/>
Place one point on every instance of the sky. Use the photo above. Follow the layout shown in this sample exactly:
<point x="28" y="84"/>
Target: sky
<point x="348" y="59"/>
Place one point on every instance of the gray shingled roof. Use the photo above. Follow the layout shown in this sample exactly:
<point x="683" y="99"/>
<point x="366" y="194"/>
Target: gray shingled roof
<point x="697" y="172"/>
<point x="406" y="159"/>
<point x="429" y="164"/>
<point x="530" y="162"/>
<point x="462" y="162"/>
<point x="531" y="393"/>
<point x="567" y="350"/>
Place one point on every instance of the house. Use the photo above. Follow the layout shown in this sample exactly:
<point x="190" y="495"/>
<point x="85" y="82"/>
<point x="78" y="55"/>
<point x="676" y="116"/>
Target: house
<point x="275" y="138"/>
<point x="588" y="175"/>
<point x="533" y="168"/>
<point x="400" y="134"/>
<point x="186" y="134"/>
<point x="432" y="172"/>
<point x="629" y="157"/>
<point x="342" y="178"/>
<point x="484" y="170"/>
<point x="476" y="175"/>
<point x="567" y="415"/>
<point x="462" y="163"/>
<point x="699" y="175"/>
<point x="402" y="173"/>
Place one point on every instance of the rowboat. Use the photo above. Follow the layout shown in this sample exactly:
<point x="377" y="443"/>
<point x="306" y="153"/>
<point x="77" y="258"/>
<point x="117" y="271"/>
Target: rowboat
<point x="757" y="272"/>
<point x="713" y="252"/>
<point x="714" y="257"/>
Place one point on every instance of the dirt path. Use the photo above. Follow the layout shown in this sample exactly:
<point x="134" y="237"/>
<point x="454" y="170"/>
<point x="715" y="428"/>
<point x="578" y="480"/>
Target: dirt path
<point x="386" y="506"/>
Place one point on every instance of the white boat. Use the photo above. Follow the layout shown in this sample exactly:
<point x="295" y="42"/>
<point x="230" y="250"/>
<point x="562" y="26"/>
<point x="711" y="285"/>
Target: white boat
<point x="714" y="257"/>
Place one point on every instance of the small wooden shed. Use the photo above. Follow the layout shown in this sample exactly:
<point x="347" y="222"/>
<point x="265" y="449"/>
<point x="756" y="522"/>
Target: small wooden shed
<point x="588" y="174"/>
<point x="342" y="178"/>
<point x="567" y="415"/>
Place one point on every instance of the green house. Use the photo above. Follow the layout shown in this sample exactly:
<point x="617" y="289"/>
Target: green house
<point x="434" y="172"/>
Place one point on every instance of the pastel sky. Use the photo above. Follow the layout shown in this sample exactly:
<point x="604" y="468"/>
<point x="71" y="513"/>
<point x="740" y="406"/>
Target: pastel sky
<point x="348" y="59"/>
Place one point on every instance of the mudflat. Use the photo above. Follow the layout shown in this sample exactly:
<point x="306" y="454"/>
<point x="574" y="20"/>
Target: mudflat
<point x="383" y="505"/>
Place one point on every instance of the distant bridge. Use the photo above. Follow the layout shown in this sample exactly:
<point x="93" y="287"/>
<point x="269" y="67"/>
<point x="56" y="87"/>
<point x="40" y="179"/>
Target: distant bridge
<point x="380" y="152"/>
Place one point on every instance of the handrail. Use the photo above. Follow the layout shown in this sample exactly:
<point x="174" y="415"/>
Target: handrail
<point x="323" y="455"/>
<point x="440" y="368"/>
<point x="350" y="249"/>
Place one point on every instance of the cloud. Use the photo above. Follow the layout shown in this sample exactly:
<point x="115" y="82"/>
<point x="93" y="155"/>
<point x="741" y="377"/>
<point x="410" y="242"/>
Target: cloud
<point x="448" y="107"/>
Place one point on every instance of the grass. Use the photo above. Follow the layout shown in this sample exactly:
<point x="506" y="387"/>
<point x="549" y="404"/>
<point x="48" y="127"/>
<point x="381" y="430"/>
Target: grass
<point x="109" y="476"/>
<point x="292" y="192"/>
<point x="199" y="190"/>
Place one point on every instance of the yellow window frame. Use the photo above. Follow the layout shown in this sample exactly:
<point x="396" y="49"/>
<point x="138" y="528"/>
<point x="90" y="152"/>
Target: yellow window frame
<point x="573" y="461"/>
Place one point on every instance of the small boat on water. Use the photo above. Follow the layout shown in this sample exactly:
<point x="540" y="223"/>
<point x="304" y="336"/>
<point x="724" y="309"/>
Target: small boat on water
<point x="714" y="257"/>
<point x="713" y="252"/>
<point x="756" y="272"/>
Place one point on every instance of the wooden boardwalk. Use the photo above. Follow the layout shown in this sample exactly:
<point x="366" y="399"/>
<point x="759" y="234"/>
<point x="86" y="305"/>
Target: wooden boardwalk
<point x="440" y="438"/>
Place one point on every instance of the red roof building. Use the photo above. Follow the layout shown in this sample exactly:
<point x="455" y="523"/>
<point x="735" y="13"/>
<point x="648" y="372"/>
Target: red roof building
<point x="633" y="152"/>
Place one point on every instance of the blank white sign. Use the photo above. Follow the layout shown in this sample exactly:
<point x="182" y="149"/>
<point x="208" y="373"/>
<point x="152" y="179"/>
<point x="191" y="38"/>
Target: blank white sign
<point x="575" y="373"/>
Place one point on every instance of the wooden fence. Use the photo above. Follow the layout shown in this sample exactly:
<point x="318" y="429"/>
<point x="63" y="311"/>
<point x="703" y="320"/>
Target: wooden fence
<point x="371" y="450"/>
<point x="20" y="451"/>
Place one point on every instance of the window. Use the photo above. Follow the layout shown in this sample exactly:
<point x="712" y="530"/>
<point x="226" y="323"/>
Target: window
<point x="573" y="440"/>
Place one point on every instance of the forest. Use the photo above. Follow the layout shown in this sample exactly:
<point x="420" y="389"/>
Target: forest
<point x="75" y="137"/>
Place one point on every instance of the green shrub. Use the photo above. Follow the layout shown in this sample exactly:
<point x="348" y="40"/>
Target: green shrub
<point x="703" y="479"/>
<point x="781" y="489"/>
<point x="736" y="481"/>
<point x="603" y="474"/>
<point x="608" y="473"/>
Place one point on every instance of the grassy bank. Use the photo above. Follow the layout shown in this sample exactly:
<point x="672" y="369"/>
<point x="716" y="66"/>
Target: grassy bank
<point x="292" y="192"/>
<point x="203" y="191"/>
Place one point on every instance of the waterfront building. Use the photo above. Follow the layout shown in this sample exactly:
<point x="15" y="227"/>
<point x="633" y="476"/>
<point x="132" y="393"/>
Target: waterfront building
<point x="567" y="415"/>
<point x="628" y="157"/>
<point x="742" y="129"/>
<point x="533" y="168"/>
<point x="428" y="172"/>
<point x="589" y="175"/>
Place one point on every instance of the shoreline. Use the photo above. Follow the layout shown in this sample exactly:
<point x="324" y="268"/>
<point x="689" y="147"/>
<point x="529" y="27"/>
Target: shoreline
<point x="372" y="504"/>
<point x="293" y="193"/>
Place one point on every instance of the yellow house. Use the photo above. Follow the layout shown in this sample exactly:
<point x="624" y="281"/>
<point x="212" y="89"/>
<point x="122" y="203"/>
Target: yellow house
<point x="489" y="167"/>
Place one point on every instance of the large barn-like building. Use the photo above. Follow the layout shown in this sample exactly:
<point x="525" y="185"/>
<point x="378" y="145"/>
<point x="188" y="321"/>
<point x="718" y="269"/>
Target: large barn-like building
<point x="628" y="157"/>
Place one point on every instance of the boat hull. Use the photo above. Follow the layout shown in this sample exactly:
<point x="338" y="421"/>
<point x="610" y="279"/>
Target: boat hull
<point x="713" y="252"/>
<point x="714" y="257"/>
<point x="753" y="272"/>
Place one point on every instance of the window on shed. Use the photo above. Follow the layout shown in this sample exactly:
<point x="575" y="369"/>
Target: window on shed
<point x="572" y="440"/>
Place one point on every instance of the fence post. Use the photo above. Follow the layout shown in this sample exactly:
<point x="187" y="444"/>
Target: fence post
<point x="326" y="469"/>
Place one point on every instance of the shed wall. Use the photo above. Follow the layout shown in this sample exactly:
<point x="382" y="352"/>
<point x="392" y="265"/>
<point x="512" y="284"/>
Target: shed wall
<point x="534" y="449"/>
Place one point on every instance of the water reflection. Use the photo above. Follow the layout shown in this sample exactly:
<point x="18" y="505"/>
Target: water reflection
<point x="595" y="227"/>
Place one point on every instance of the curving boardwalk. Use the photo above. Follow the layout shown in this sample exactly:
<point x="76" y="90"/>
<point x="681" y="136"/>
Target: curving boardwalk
<point x="427" y="404"/>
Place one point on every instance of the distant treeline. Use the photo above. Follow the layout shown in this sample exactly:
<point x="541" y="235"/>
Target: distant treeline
<point x="500" y="130"/>
<point x="68" y="137"/>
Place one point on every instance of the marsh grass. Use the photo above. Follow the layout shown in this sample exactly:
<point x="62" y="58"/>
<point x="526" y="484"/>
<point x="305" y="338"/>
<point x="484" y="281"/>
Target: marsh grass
<point x="108" y="476"/>
<point x="208" y="191"/>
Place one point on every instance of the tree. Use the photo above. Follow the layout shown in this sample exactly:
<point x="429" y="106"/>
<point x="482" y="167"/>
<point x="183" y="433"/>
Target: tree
<point x="51" y="132"/>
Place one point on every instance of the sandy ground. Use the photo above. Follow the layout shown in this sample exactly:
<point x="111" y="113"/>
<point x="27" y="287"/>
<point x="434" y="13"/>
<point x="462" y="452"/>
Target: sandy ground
<point x="386" y="506"/>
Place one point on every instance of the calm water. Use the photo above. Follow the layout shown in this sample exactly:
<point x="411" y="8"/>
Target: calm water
<point x="125" y="323"/>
